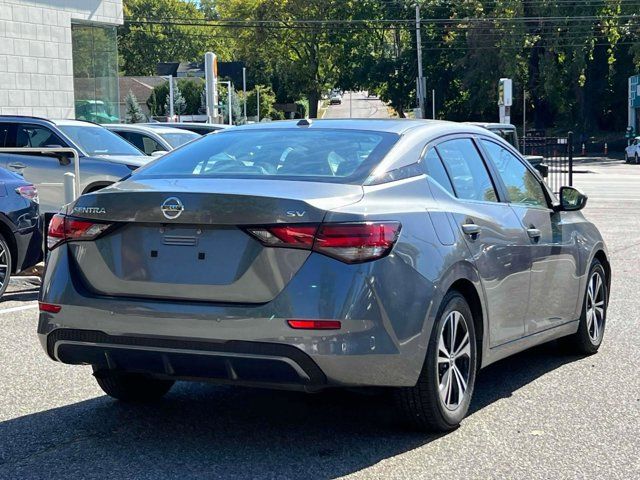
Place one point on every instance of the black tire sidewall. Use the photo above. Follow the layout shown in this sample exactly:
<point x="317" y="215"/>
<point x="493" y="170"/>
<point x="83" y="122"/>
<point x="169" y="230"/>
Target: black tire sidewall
<point x="451" y="418"/>
<point x="5" y="245"/>
<point x="583" y="330"/>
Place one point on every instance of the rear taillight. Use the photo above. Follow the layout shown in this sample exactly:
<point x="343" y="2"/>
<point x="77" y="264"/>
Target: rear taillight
<point x="66" y="229"/>
<point x="348" y="242"/>
<point x="30" y="192"/>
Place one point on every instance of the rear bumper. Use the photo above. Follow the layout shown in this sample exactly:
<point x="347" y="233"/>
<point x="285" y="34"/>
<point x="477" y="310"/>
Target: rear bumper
<point x="382" y="341"/>
<point x="238" y="362"/>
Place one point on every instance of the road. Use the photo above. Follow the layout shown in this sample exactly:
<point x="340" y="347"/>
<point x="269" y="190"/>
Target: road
<point x="362" y="107"/>
<point x="538" y="415"/>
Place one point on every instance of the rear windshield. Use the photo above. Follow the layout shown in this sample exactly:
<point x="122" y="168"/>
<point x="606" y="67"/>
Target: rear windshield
<point x="337" y="156"/>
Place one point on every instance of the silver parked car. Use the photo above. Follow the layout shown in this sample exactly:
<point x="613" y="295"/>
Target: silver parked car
<point x="389" y="253"/>
<point x="195" y="127"/>
<point x="104" y="157"/>
<point x="153" y="141"/>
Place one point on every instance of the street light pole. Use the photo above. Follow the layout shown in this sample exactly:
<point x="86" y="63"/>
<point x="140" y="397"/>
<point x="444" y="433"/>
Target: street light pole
<point x="420" y="87"/>
<point x="258" y="101"/>
<point x="244" y="92"/>
<point x="350" y="104"/>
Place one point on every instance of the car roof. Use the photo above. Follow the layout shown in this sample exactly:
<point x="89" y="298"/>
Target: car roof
<point x="492" y="125"/>
<point x="143" y="128"/>
<point x="187" y="124"/>
<point x="73" y="123"/>
<point x="398" y="126"/>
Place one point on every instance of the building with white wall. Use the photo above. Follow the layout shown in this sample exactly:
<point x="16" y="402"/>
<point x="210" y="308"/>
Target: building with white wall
<point x="58" y="58"/>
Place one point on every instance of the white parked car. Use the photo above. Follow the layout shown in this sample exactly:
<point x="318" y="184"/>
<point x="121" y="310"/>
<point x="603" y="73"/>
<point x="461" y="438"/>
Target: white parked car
<point x="153" y="141"/>
<point x="632" y="152"/>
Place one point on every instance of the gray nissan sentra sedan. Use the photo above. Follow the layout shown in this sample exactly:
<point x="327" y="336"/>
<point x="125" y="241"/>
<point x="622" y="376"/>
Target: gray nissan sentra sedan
<point x="338" y="253"/>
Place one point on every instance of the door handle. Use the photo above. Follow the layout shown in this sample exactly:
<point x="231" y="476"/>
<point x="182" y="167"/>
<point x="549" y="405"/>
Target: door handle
<point x="533" y="233"/>
<point x="471" y="229"/>
<point x="17" y="166"/>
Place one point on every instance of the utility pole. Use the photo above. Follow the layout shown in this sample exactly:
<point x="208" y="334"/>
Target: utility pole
<point x="244" y="92"/>
<point x="350" y="104"/>
<point x="524" y="120"/>
<point x="420" y="87"/>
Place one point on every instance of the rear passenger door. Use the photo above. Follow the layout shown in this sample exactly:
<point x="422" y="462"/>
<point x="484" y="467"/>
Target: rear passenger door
<point x="554" y="252"/>
<point x="44" y="171"/>
<point x="496" y="239"/>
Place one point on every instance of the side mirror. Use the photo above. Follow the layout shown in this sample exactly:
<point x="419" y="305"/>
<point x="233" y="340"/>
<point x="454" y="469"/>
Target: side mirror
<point x="159" y="153"/>
<point x="571" y="200"/>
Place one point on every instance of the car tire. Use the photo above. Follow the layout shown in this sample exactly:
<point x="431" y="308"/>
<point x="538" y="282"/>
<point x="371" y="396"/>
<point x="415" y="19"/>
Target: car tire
<point x="5" y="265"/>
<point x="130" y="387"/>
<point x="429" y="405"/>
<point x="593" y="318"/>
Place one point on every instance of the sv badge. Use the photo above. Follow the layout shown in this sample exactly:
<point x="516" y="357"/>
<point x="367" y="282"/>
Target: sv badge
<point x="296" y="213"/>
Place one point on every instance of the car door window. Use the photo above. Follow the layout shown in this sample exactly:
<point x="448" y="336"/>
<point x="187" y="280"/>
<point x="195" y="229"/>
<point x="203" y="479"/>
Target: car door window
<point x="467" y="171"/>
<point x="522" y="186"/>
<point x="436" y="170"/>
<point x="5" y="135"/>
<point x="35" y="136"/>
<point x="147" y="144"/>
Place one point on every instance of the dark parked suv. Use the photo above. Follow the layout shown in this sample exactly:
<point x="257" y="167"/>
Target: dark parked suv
<point x="20" y="233"/>
<point x="104" y="157"/>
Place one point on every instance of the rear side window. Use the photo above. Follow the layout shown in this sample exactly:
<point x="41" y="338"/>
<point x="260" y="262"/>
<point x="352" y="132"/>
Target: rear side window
<point x="34" y="136"/>
<point x="436" y="170"/>
<point x="5" y="130"/>
<point x="147" y="144"/>
<point x="337" y="156"/>
<point x="468" y="173"/>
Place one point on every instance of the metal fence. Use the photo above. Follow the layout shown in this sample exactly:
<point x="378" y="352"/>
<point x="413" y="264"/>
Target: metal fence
<point x="558" y="155"/>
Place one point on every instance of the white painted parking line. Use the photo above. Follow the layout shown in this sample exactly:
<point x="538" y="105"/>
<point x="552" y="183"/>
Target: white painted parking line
<point x="18" y="309"/>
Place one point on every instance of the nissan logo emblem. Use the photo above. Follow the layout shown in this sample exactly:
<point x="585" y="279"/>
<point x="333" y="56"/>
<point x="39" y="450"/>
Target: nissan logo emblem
<point x="172" y="208"/>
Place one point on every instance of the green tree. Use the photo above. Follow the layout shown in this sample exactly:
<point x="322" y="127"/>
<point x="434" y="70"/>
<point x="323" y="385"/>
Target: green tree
<point x="153" y="32"/>
<point x="133" y="112"/>
<point x="179" y="103"/>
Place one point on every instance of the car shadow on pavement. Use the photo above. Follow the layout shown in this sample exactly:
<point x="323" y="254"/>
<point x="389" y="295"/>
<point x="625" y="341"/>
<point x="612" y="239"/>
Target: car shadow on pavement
<point x="207" y="431"/>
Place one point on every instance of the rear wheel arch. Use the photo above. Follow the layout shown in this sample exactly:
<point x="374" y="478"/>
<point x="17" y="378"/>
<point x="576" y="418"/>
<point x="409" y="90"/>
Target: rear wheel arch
<point x="470" y="293"/>
<point x="602" y="258"/>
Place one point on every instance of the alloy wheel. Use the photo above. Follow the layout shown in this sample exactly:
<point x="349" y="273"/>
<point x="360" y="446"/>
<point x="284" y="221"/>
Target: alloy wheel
<point x="595" y="307"/>
<point x="454" y="360"/>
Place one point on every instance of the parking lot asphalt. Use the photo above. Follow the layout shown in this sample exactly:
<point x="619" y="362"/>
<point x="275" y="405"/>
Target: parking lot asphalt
<point x="541" y="414"/>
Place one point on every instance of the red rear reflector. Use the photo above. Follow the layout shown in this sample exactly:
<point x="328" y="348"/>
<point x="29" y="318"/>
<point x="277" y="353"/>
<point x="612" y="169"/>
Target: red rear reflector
<point x="49" y="307"/>
<point x="63" y="228"/>
<point x="315" y="324"/>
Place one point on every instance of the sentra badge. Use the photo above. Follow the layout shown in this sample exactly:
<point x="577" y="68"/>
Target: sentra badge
<point x="93" y="210"/>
